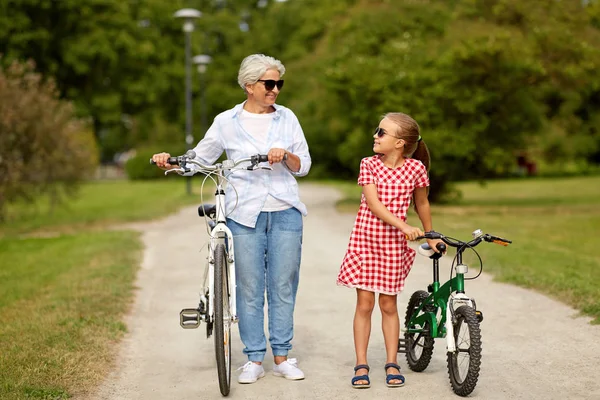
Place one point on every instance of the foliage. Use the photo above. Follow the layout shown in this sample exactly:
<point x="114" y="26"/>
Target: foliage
<point x="114" y="59"/>
<point x="482" y="78"/>
<point x="44" y="150"/>
<point x="486" y="80"/>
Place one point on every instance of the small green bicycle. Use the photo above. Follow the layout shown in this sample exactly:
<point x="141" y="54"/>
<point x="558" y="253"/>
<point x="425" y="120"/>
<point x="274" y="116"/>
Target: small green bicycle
<point x="447" y="312"/>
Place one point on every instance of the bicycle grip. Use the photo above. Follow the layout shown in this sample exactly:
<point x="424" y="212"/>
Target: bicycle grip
<point x="171" y="161"/>
<point x="499" y="240"/>
<point x="263" y="158"/>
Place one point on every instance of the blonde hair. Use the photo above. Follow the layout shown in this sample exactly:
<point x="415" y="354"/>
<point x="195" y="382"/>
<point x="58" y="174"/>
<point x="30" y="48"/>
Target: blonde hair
<point x="409" y="131"/>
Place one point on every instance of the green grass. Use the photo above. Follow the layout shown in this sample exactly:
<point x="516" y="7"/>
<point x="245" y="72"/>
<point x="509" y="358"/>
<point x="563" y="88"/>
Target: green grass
<point x="553" y="224"/>
<point x="61" y="308"/>
<point x="102" y="203"/>
<point x="66" y="282"/>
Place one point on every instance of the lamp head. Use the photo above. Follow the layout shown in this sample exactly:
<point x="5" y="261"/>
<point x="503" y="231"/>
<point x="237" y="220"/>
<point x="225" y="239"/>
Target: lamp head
<point x="188" y="15"/>
<point x="201" y="61"/>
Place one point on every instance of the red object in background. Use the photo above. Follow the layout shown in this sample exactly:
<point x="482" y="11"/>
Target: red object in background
<point x="528" y="167"/>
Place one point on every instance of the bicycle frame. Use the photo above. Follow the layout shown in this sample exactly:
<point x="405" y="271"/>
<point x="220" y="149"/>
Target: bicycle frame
<point x="221" y="234"/>
<point x="443" y="298"/>
<point x="447" y="312"/>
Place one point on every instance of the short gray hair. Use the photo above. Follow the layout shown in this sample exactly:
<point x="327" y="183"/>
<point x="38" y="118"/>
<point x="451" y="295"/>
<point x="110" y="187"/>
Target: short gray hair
<point x="254" y="66"/>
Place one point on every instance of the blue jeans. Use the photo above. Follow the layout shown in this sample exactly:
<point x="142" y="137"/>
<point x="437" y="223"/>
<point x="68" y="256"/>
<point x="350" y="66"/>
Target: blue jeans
<point x="267" y="257"/>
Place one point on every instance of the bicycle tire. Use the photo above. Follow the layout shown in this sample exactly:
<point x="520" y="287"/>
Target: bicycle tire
<point x="463" y="386"/>
<point x="222" y="325"/>
<point x="423" y="341"/>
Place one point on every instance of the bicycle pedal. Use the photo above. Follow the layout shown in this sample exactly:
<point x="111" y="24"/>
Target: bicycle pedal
<point x="189" y="318"/>
<point x="429" y="308"/>
<point x="402" y="346"/>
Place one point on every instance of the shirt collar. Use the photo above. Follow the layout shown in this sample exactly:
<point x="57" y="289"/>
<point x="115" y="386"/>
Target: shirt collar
<point x="237" y="110"/>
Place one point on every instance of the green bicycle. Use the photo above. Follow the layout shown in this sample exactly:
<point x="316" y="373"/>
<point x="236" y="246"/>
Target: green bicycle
<point x="447" y="312"/>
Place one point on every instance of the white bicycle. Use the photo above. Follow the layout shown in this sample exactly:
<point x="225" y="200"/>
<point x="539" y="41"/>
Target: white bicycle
<point x="217" y="306"/>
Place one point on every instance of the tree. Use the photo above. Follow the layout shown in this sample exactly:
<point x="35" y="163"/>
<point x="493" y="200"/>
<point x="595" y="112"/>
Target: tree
<point x="485" y="79"/>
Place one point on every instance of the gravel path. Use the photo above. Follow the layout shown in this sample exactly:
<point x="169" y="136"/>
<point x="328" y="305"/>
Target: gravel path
<point x="533" y="347"/>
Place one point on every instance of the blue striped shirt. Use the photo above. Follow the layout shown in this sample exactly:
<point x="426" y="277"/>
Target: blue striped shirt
<point x="227" y="134"/>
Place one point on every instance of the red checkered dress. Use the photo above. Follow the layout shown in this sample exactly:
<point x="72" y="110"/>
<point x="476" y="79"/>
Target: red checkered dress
<point x="378" y="258"/>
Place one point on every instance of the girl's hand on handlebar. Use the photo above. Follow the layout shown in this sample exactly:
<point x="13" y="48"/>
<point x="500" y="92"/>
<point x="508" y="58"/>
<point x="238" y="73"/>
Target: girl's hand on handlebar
<point x="411" y="233"/>
<point x="433" y="244"/>
<point x="161" y="160"/>
<point x="276" y="155"/>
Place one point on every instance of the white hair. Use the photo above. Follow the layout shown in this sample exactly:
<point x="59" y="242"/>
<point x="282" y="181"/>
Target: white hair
<point x="256" y="65"/>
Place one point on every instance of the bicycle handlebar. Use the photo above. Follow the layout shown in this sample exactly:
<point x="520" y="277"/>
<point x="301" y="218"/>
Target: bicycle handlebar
<point x="190" y="155"/>
<point x="478" y="236"/>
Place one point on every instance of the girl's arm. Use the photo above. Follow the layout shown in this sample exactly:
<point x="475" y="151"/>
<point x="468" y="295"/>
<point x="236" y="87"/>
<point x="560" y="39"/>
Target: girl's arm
<point x="381" y="212"/>
<point x="424" y="211"/>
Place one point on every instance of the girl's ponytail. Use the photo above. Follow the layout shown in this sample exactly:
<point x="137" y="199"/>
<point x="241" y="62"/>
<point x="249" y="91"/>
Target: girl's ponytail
<point x="421" y="153"/>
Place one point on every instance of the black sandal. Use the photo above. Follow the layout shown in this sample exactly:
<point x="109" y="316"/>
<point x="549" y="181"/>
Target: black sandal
<point x="361" y="378"/>
<point x="391" y="377"/>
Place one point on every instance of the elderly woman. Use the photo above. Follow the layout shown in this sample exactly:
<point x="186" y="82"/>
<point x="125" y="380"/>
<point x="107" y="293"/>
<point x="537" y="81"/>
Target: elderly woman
<point x="267" y="222"/>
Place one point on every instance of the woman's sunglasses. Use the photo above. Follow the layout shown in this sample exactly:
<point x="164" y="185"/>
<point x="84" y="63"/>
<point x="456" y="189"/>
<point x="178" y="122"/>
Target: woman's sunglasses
<point x="270" y="83"/>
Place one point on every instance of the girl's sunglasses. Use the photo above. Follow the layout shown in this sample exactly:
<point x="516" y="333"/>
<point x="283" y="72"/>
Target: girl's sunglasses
<point x="270" y="83"/>
<point x="380" y="132"/>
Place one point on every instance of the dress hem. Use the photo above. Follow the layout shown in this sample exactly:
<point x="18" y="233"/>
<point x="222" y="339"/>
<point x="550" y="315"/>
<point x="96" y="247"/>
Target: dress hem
<point x="369" y="289"/>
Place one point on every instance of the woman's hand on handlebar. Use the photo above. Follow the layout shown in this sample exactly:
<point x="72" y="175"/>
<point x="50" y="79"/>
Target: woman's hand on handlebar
<point x="276" y="155"/>
<point x="161" y="161"/>
<point x="411" y="232"/>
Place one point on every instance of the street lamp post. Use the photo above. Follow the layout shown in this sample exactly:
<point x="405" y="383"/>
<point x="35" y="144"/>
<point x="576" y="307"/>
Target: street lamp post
<point x="202" y="62"/>
<point x="188" y="15"/>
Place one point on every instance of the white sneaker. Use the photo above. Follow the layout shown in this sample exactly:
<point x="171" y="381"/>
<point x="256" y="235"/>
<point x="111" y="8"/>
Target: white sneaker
<point x="251" y="372"/>
<point x="288" y="369"/>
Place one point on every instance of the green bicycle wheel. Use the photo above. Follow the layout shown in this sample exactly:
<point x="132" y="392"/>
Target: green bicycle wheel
<point x="419" y="345"/>
<point x="464" y="363"/>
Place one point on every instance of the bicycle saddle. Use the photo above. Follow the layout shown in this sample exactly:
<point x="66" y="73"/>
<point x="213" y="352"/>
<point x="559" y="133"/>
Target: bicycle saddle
<point x="209" y="210"/>
<point x="427" y="251"/>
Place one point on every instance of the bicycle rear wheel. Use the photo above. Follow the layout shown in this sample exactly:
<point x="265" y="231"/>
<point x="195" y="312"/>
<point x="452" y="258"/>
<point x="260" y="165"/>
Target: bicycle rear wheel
<point x="222" y="324"/>
<point x="465" y="362"/>
<point x="419" y="346"/>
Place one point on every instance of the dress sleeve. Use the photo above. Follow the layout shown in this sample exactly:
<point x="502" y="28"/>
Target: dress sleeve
<point x="365" y="176"/>
<point x="422" y="177"/>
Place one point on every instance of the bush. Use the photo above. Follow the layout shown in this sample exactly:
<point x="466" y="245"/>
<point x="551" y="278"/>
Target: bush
<point x="139" y="167"/>
<point x="44" y="149"/>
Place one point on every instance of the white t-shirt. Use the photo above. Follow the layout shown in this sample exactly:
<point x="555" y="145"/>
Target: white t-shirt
<point x="258" y="125"/>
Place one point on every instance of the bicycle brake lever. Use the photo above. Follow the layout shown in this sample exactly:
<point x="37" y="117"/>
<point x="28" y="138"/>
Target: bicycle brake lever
<point x="178" y="170"/>
<point x="255" y="167"/>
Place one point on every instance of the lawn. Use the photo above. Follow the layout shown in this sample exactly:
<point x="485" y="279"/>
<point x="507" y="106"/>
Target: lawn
<point x="102" y="203"/>
<point x="66" y="283"/>
<point x="552" y="222"/>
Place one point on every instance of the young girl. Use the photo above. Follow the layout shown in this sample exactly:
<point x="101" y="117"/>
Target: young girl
<point x="378" y="258"/>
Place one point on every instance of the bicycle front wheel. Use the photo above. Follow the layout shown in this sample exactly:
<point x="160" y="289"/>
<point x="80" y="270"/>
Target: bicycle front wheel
<point x="464" y="363"/>
<point x="222" y="324"/>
